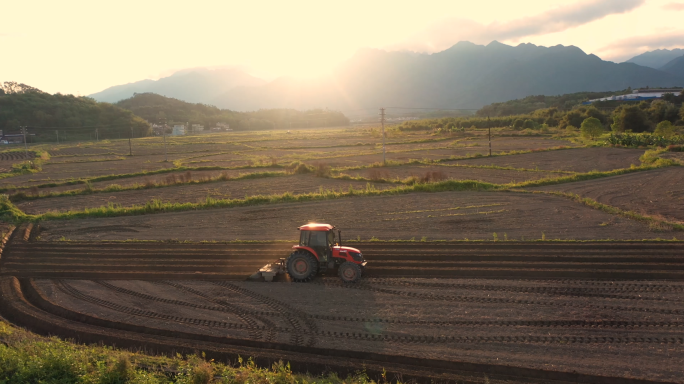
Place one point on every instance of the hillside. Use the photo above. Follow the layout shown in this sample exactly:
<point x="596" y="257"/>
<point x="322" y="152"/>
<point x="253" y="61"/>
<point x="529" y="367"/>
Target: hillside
<point x="196" y="85"/>
<point x="656" y="59"/>
<point x="43" y="113"/>
<point x="674" y="67"/>
<point x="156" y="108"/>
<point x="531" y="103"/>
<point x="464" y="76"/>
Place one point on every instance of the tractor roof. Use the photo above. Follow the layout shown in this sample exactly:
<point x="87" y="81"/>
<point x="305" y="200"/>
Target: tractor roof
<point x="316" y="227"/>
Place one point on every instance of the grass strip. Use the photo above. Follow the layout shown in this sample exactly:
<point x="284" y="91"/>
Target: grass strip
<point x="14" y="214"/>
<point x="585" y="176"/>
<point x="29" y="358"/>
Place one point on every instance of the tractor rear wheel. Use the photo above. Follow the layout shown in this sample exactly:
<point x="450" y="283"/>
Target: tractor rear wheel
<point x="302" y="266"/>
<point x="349" y="272"/>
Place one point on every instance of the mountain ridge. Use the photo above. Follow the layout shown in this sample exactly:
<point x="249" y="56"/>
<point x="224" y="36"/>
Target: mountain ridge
<point x="465" y="75"/>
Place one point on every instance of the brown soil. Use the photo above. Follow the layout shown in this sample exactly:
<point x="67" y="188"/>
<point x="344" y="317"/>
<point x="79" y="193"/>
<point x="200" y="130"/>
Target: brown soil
<point x="577" y="160"/>
<point x="553" y="325"/>
<point x="658" y="192"/>
<point x="232" y="189"/>
<point x="444" y="215"/>
<point x="460" y="173"/>
<point x="157" y="178"/>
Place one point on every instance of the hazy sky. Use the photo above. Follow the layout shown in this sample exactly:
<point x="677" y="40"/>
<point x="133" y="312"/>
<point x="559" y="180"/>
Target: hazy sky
<point x="82" y="47"/>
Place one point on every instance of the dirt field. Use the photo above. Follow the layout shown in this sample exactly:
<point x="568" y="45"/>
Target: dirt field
<point x="609" y="328"/>
<point x="444" y="215"/>
<point x="576" y="160"/>
<point x="658" y="192"/>
<point x="497" y="176"/>
<point x="232" y="189"/>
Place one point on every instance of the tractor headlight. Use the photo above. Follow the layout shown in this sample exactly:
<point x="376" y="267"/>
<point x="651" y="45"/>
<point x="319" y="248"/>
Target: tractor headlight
<point x="356" y="256"/>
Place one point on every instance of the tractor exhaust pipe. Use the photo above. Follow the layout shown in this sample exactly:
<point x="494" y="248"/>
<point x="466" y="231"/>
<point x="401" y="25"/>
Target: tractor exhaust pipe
<point x="339" y="235"/>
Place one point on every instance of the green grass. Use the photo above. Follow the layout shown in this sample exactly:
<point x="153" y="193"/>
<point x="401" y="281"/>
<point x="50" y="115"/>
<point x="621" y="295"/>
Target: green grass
<point x="29" y="358"/>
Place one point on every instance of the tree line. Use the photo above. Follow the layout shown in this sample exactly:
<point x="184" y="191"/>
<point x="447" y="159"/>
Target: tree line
<point x="643" y="116"/>
<point x="43" y="114"/>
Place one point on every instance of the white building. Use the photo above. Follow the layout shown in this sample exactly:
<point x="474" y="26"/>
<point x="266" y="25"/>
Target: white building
<point x="640" y="94"/>
<point x="178" y="130"/>
<point x="195" y="128"/>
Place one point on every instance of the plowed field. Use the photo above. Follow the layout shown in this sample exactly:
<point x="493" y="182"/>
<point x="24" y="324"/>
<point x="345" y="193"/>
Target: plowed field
<point x="577" y="160"/>
<point x="232" y="189"/>
<point x="657" y="192"/>
<point x="615" y="329"/>
<point x="497" y="176"/>
<point x="444" y="215"/>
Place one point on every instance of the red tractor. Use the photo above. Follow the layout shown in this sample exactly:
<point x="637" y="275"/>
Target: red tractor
<point x="320" y="250"/>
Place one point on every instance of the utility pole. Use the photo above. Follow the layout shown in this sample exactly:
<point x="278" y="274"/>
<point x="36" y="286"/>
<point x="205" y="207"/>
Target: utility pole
<point x="130" y="146"/>
<point x="382" y="122"/>
<point x="97" y="134"/>
<point x="166" y="159"/>
<point x="490" y="137"/>
<point x="23" y="130"/>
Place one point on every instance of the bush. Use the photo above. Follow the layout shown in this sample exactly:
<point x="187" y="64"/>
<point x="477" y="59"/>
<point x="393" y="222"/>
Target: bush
<point x="665" y="128"/>
<point x="591" y="128"/>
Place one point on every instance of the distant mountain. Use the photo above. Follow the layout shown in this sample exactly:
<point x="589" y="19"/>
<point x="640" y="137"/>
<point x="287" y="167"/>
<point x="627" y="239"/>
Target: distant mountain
<point x="656" y="59"/>
<point x="464" y="76"/>
<point x="197" y="85"/>
<point x="674" y="67"/>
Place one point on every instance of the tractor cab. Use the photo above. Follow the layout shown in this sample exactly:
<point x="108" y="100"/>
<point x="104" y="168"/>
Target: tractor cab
<point x="320" y="249"/>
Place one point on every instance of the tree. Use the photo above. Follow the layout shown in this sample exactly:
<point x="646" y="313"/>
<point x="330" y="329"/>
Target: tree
<point x="630" y="118"/>
<point x="530" y="124"/>
<point x="591" y="128"/>
<point x="665" y="128"/>
<point x="518" y="123"/>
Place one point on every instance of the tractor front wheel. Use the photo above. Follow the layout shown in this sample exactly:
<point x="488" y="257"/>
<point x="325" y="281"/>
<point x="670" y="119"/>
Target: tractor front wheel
<point x="302" y="266"/>
<point x="349" y="272"/>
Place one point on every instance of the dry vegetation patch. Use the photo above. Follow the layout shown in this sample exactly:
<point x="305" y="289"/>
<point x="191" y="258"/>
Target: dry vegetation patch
<point x="230" y="189"/>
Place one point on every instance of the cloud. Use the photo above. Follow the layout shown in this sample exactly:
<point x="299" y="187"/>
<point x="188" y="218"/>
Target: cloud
<point x="446" y="33"/>
<point x="674" y="7"/>
<point x="624" y="49"/>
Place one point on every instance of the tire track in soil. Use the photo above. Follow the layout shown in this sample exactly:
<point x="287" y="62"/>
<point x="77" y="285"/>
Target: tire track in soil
<point x="485" y="323"/>
<point x="404" y="339"/>
<point x="237" y="310"/>
<point x="292" y="315"/>
<point x="226" y="309"/>
<point x="611" y="293"/>
<point x="491" y="300"/>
